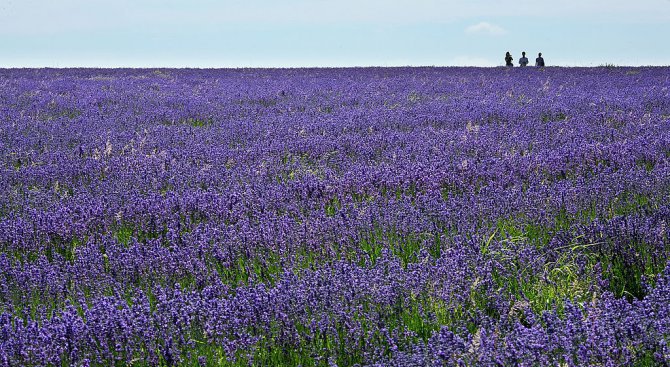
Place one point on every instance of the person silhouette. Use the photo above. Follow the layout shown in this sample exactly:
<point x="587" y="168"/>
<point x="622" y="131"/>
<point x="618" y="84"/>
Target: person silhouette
<point x="523" y="61"/>
<point x="539" y="62"/>
<point x="508" y="59"/>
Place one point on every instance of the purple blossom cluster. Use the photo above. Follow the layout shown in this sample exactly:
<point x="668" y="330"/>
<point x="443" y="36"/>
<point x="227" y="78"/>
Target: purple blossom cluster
<point x="335" y="217"/>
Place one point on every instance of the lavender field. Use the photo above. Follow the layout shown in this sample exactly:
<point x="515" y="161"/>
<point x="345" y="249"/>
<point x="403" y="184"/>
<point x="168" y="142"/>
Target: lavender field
<point x="335" y="217"/>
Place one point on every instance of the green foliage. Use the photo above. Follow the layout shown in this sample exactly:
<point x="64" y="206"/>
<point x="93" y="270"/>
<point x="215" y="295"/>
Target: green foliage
<point x="332" y="206"/>
<point x="55" y="112"/>
<point x="646" y="163"/>
<point x="198" y="122"/>
<point x="189" y="121"/>
<point x="124" y="234"/>
<point x="552" y="116"/>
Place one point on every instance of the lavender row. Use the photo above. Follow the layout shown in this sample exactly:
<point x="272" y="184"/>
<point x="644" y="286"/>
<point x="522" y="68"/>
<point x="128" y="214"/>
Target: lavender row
<point x="347" y="216"/>
<point x="347" y="314"/>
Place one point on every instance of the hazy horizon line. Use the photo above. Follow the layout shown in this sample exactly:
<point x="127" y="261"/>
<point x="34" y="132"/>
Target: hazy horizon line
<point x="2" y="67"/>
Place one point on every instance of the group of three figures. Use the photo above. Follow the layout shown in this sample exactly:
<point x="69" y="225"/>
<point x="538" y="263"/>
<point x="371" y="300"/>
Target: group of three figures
<point x="523" y="61"/>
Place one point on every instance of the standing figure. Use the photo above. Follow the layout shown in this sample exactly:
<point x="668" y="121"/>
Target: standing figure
<point x="523" y="61"/>
<point x="539" y="62"/>
<point x="508" y="59"/>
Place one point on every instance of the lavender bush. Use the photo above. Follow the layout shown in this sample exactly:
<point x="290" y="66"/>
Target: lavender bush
<point x="335" y="217"/>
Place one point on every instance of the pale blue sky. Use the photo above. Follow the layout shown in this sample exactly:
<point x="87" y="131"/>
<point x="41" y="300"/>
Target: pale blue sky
<point x="294" y="33"/>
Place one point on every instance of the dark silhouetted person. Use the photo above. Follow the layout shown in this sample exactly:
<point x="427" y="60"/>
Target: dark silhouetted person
<point x="539" y="62"/>
<point x="508" y="59"/>
<point x="523" y="61"/>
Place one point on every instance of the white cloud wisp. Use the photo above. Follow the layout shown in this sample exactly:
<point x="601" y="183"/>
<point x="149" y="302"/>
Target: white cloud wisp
<point x="486" y="28"/>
